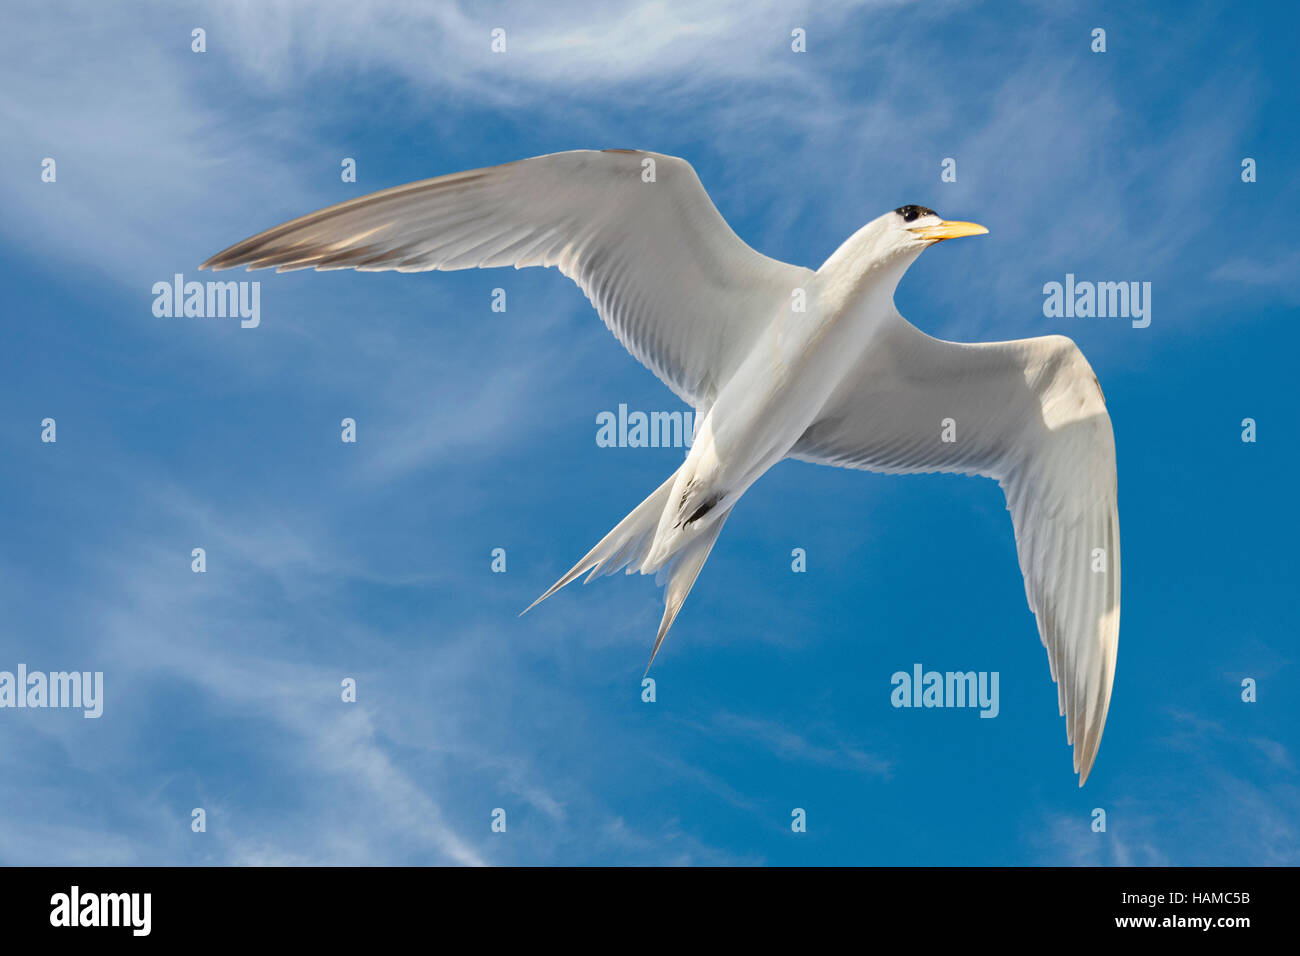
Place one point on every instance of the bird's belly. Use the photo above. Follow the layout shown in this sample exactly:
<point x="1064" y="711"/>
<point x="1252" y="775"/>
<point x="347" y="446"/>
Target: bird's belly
<point x="756" y="419"/>
<point x="769" y="403"/>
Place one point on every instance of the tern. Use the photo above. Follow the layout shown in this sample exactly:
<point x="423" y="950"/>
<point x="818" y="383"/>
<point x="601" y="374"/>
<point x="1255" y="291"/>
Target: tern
<point x="779" y="361"/>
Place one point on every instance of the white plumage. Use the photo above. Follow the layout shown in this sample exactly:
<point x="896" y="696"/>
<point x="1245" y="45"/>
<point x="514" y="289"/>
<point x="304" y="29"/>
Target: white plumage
<point x="845" y="381"/>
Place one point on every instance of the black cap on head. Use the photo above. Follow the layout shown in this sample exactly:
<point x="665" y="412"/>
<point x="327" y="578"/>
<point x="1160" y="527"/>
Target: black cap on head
<point x="910" y="213"/>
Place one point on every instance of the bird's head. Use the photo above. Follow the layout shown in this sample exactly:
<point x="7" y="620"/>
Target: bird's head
<point x="916" y="227"/>
<point x="881" y="251"/>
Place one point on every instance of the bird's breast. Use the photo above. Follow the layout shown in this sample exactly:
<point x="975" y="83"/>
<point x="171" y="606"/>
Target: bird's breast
<point x="786" y="379"/>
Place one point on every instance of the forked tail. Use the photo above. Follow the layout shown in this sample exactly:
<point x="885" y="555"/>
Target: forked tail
<point x="628" y="545"/>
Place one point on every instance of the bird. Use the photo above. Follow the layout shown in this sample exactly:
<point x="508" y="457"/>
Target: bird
<point x="779" y="361"/>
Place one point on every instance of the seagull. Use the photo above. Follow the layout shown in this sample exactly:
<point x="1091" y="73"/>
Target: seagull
<point x="779" y="361"/>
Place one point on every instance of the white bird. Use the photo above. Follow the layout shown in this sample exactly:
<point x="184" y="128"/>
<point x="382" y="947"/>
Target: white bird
<point x="845" y="381"/>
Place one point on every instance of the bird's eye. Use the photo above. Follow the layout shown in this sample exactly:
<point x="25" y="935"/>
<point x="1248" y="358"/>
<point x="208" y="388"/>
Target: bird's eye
<point x="912" y="213"/>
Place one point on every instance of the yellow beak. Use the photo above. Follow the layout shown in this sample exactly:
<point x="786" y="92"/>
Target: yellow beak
<point x="949" y="230"/>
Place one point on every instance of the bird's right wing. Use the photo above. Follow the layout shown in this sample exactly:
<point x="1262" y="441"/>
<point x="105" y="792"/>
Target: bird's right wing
<point x="635" y="230"/>
<point x="1031" y="415"/>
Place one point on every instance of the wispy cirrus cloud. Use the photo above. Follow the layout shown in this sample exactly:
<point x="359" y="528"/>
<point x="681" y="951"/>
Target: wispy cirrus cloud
<point x="792" y="746"/>
<point x="1217" y="816"/>
<point x="371" y="561"/>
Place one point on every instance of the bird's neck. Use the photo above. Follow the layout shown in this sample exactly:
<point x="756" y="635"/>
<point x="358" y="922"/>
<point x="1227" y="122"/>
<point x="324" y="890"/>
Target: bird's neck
<point x="862" y="274"/>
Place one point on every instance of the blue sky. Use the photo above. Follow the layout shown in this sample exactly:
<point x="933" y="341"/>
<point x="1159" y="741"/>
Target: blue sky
<point x="477" y="431"/>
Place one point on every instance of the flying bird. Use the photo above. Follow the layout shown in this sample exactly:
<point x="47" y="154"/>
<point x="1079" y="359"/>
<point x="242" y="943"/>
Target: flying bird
<point x="779" y="361"/>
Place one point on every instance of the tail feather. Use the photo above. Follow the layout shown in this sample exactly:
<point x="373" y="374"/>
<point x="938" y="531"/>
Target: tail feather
<point x="681" y="573"/>
<point x="628" y="546"/>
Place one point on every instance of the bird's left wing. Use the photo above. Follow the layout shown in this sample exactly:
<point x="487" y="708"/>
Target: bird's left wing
<point x="1031" y="415"/>
<point x="635" y="230"/>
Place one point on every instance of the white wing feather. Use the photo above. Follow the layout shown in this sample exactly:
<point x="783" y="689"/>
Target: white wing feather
<point x="682" y="292"/>
<point x="1030" y="414"/>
